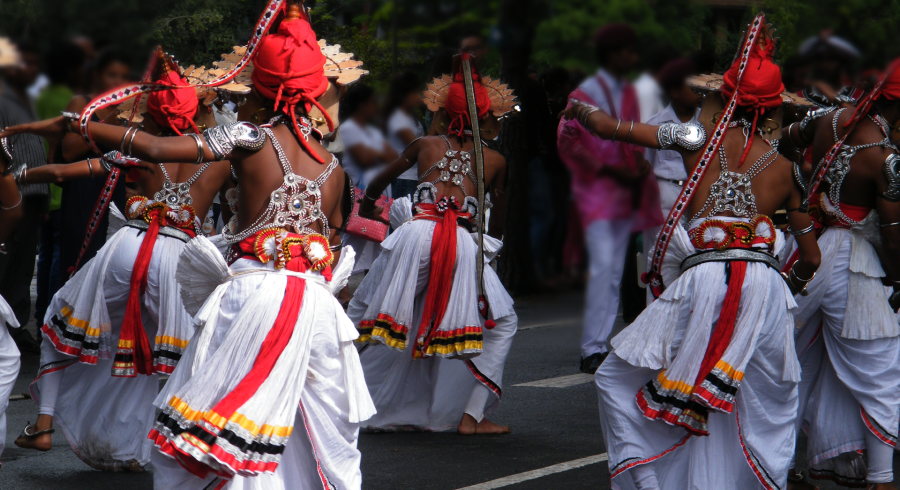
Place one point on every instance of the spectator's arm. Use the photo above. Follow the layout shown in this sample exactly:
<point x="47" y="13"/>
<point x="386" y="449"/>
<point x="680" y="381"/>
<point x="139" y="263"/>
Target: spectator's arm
<point x="10" y="202"/>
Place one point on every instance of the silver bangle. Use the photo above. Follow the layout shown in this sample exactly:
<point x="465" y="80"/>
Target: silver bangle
<point x="628" y="138"/>
<point x="199" y="141"/>
<point x="613" y="137"/>
<point x="14" y="206"/>
<point x="803" y="231"/>
<point x="889" y="224"/>
<point x="90" y="168"/>
<point x="131" y="142"/>
<point x="795" y="276"/>
<point x="125" y="137"/>
<point x="366" y="195"/>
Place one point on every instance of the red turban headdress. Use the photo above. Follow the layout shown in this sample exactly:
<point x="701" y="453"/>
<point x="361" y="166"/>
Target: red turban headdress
<point x="288" y="68"/>
<point x="890" y="88"/>
<point x="760" y="88"/>
<point x="174" y="109"/>
<point x="457" y="106"/>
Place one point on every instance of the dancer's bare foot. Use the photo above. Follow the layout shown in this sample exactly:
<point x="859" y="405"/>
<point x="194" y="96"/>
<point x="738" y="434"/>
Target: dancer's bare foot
<point x="468" y="426"/>
<point x="37" y="436"/>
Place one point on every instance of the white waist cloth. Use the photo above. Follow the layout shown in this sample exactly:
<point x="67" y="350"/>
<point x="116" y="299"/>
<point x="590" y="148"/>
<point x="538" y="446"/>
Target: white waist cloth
<point x="105" y="418"/>
<point x="316" y="382"/>
<point x="9" y="366"/>
<point x="749" y="445"/>
<point x="849" y="350"/>
<point x="430" y="392"/>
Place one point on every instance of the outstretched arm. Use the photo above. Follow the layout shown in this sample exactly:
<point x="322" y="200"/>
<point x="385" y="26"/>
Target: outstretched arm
<point x="154" y="149"/>
<point x="404" y="162"/>
<point x="686" y="138"/>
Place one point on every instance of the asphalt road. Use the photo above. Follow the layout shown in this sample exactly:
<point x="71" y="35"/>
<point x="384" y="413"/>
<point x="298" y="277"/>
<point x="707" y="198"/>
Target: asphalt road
<point x="556" y="429"/>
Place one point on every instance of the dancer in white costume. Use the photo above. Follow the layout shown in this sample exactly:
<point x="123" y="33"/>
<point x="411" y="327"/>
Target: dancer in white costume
<point x="848" y="337"/>
<point x="273" y="348"/>
<point x="10" y="214"/>
<point x="711" y="363"/>
<point x="419" y="303"/>
<point x="119" y="321"/>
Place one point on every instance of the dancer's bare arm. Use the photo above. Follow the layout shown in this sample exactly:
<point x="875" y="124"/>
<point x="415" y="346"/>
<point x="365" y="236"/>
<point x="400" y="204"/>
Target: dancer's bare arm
<point x="404" y="162"/>
<point x="155" y="149"/>
<point x="810" y="256"/>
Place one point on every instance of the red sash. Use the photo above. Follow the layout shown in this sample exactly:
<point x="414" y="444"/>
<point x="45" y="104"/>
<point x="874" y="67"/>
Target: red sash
<point x="133" y="353"/>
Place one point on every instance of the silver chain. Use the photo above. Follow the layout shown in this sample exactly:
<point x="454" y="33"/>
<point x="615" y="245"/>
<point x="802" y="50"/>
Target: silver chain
<point x="289" y="207"/>
<point x="724" y="193"/>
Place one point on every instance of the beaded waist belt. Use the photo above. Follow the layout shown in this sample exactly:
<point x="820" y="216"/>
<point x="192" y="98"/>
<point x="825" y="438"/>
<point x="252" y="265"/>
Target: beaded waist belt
<point x="169" y="231"/>
<point x="730" y="255"/>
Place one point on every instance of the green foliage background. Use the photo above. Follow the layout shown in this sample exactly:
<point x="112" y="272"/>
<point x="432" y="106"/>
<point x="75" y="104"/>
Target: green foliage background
<point x="198" y="31"/>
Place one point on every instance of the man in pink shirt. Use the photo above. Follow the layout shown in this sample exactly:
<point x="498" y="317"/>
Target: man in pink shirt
<point x="612" y="184"/>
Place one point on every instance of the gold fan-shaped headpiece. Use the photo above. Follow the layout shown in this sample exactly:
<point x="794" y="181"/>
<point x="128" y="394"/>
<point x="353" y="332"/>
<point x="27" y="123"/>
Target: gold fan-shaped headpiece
<point x="503" y="101"/>
<point x="340" y="69"/>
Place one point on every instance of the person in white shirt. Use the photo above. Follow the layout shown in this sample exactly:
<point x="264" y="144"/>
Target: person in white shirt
<point x="364" y="145"/>
<point x="668" y="165"/>
<point x="366" y="153"/>
<point x="403" y="125"/>
<point x="651" y="96"/>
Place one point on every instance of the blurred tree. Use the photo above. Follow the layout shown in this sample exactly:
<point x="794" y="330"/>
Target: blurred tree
<point x="200" y="31"/>
<point x="563" y="36"/>
<point x="871" y="25"/>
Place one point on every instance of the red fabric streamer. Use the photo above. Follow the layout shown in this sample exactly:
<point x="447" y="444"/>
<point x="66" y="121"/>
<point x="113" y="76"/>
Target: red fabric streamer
<point x="457" y="105"/>
<point x="133" y="333"/>
<point x="724" y="328"/>
<point x="440" y="278"/>
<point x="276" y="339"/>
<point x="176" y="108"/>
<point x="288" y="68"/>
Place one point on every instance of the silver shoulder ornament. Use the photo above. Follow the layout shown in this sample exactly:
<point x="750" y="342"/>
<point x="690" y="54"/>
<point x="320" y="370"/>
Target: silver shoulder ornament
<point x="690" y="135"/>
<point x="814" y="115"/>
<point x="6" y="146"/>
<point x="892" y="173"/>
<point x="223" y="139"/>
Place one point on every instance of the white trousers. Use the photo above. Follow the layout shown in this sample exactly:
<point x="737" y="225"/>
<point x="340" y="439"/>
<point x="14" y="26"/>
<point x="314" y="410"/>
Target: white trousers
<point x="607" y="242"/>
<point x="9" y="371"/>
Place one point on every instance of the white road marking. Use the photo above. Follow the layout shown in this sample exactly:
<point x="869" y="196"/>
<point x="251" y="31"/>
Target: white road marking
<point x="567" y="321"/>
<point x="561" y="382"/>
<point x="23" y="396"/>
<point x="534" y="474"/>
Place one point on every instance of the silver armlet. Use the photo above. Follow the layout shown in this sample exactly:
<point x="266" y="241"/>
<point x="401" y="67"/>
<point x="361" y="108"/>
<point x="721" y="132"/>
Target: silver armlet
<point x="804" y="188"/>
<point x="7" y="149"/>
<point x="813" y="115"/>
<point x="845" y="99"/>
<point x="690" y="135"/>
<point x="892" y="173"/>
<point x="222" y="140"/>
<point x="803" y="231"/>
